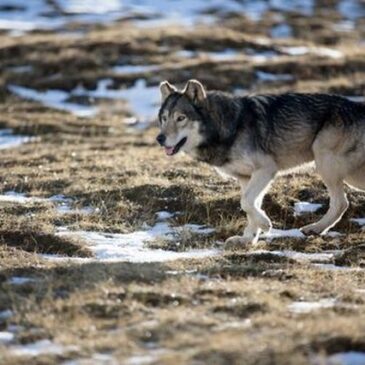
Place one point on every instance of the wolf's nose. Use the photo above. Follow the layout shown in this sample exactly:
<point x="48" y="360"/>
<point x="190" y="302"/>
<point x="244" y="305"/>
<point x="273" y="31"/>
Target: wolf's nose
<point x="161" y="138"/>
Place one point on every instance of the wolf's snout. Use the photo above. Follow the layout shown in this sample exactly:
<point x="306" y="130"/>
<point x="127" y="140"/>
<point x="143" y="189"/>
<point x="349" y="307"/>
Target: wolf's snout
<point x="161" y="139"/>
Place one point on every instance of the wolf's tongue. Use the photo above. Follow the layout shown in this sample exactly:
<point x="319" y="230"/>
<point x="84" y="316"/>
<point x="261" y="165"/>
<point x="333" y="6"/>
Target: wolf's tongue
<point x="169" y="150"/>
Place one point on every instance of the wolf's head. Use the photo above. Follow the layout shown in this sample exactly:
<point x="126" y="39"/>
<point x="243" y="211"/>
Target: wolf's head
<point x="180" y="117"/>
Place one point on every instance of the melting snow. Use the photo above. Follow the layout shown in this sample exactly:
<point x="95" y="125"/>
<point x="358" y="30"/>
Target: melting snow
<point x="6" y="337"/>
<point x="38" y="348"/>
<point x="278" y="233"/>
<point x="6" y="314"/>
<point x="269" y="77"/>
<point x="307" y="307"/>
<point x="305" y="207"/>
<point x="56" y="99"/>
<point x="134" y="69"/>
<point x="359" y="221"/>
<point x="320" y="51"/>
<point x="130" y="247"/>
<point x="10" y="140"/>
<point x="303" y="256"/>
<point x="62" y="203"/>
<point x="345" y="358"/>
<point x="19" y="280"/>
<point x="142" y="99"/>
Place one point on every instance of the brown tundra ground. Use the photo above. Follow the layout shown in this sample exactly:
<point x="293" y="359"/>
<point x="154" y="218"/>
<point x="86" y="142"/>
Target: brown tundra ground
<point x="95" y="167"/>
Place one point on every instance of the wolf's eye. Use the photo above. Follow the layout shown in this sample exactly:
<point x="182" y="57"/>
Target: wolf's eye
<point x="180" y="118"/>
<point x="163" y="119"/>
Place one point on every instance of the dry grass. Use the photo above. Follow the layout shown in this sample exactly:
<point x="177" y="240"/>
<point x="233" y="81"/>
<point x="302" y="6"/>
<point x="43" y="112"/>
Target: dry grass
<point x="231" y="309"/>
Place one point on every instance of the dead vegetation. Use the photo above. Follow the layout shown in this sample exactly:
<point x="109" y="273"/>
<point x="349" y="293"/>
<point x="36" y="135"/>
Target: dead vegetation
<point x="230" y="309"/>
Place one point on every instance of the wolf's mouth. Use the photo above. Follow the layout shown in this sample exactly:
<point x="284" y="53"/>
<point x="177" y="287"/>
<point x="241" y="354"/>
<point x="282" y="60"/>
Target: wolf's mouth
<point x="173" y="150"/>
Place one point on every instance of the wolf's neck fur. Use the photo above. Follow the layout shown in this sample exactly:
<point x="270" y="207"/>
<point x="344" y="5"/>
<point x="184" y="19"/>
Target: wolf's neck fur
<point x="224" y="116"/>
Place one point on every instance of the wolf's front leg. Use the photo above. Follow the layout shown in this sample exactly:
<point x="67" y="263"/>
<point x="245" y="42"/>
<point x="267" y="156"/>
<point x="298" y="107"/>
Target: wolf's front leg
<point x="253" y="191"/>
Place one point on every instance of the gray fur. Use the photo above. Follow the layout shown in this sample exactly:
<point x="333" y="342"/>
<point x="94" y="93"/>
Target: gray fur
<point x="253" y="138"/>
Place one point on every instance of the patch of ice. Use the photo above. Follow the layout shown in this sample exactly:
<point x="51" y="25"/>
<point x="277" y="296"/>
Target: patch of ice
<point x="224" y="55"/>
<point x="302" y="256"/>
<point x="142" y="99"/>
<point x="56" y="99"/>
<point x="163" y="215"/>
<point x="20" y="198"/>
<point x="307" y="307"/>
<point x="320" y="51"/>
<point x="6" y="314"/>
<point x="20" y="69"/>
<point x="10" y="140"/>
<point x="281" y="31"/>
<point x="130" y="247"/>
<point x="333" y="267"/>
<point x="38" y="348"/>
<point x="134" y="69"/>
<point x="356" y="98"/>
<point x="95" y="359"/>
<point x="305" y="207"/>
<point x="359" y="221"/>
<point x="278" y="233"/>
<point x="6" y="337"/>
<point x="61" y="202"/>
<point x="351" y="9"/>
<point x="151" y="357"/>
<point x="343" y="358"/>
<point x="19" y="280"/>
<point x="269" y="77"/>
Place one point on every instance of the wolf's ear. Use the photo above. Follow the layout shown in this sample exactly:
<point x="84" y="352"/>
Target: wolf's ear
<point x="195" y="91"/>
<point x="166" y="90"/>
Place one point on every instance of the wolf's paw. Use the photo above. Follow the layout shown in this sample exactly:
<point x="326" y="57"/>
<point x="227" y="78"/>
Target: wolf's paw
<point x="311" y="229"/>
<point x="236" y="242"/>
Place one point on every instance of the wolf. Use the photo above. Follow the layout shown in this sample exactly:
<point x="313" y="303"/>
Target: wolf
<point x="255" y="138"/>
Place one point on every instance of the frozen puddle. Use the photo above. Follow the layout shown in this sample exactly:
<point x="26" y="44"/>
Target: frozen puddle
<point x="130" y="247"/>
<point x="307" y="307"/>
<point x="305" y="207"/>
<point x="10" y="140"/>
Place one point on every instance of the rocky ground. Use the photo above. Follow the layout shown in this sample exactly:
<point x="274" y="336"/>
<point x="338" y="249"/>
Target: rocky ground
<point x="111" y="253"/>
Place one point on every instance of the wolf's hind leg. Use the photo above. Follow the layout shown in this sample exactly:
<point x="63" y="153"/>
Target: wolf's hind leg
<point x="332" y="177"/>
<point x="253" y="192"/>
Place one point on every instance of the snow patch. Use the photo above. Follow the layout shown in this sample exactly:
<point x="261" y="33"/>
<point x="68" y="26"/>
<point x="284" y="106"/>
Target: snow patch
<point x="279" y="233"/>
<point x="270" y="77"/>
<point x="307" y="307"/>
<point x="343" y="358"/>
<point x="319" y="51"/>
<point x="6" y="337"/>
<point x="42" y="347"/>
<point x="10" y="140"/>
<point x="305" y="207"/>
<point x="130" y="247"/>
<point x="359" y="221"/>
<point x="56" y="99"/>
<point x="20" y="280"/>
